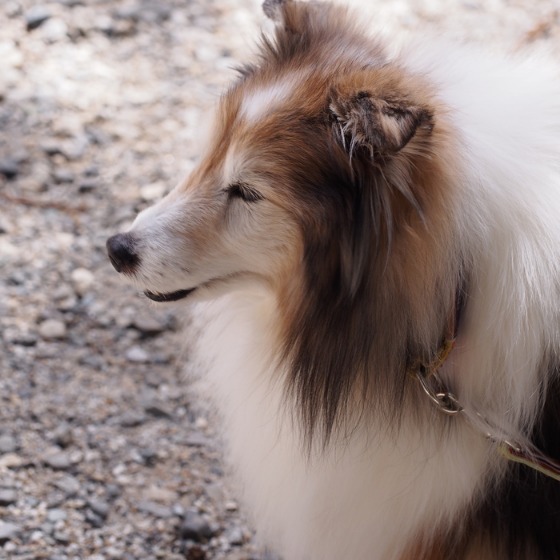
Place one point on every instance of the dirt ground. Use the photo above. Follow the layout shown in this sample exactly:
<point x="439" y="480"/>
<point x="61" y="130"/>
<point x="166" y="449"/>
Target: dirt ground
<point x="105" y="452"/>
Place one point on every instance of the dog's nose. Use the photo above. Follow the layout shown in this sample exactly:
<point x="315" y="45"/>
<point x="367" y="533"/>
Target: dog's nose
<point x="121" y="251"/>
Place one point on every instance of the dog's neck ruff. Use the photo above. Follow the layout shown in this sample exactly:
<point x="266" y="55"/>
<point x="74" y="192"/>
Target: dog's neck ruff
<point x="427" y="374"/>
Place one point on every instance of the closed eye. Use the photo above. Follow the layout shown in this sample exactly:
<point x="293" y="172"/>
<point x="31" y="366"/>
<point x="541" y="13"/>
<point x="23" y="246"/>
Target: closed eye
<point x="244" y="192"/>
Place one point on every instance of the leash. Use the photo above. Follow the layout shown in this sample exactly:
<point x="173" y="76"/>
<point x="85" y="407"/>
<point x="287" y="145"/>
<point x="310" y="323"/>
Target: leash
<point x="430" y="381"/>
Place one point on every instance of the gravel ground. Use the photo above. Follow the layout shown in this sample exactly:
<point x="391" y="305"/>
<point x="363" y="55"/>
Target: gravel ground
<point x="105" y="452"/>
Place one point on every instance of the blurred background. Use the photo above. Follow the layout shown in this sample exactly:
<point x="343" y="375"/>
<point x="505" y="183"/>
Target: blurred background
<point x="105" y="452"/>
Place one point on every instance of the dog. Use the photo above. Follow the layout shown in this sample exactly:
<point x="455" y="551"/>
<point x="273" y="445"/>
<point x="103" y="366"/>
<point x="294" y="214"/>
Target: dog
<point x="371" y="247"/>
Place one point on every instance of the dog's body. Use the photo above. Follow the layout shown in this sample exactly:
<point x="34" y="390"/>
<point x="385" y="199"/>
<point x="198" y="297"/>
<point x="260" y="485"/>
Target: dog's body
<point x="347" y="205"/>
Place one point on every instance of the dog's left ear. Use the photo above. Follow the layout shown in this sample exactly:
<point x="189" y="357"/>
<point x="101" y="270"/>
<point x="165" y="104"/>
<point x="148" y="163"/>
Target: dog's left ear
<point x="375" y="123"/>
<point x="273" y="9"/>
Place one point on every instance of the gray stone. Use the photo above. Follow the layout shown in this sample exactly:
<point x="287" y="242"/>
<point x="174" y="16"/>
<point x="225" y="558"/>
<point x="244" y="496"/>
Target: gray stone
<point x="161" y="495"/>
<point x="62" y="435"/>
<point x="132" y="419"/>
<point x="93" y="519"/>
<point x="8" y="531"/>
<point x="87" y="185"/>
<point x="148" y="456"/>
<point x="113" y="491"/>
<point x="8" y="496"/>
<point x="152" y="508"/>
<point x="99" y="507"/>
<point x="70" y="149"/>
<point x="62" y="537"/>
<point x="8" y="443"/>
<point x="55" y="499"/>
<point x="195" y="527"/>
<point x="196" y="439"/>
<point x="149" y="324"/>
<point x="137" y="355"/>
<point x="51" y="329"/>
<point x="27" y="339"/>
<point x="9" y="168"/>
<point x="36" y="16"/>
<point x="157" y="409"/>
<point x="235" y="536"/>
<point x="58" y="461"/>
<point x="62" y="176"/>
<point x="54" y="515"/>
<point x="68" y="484"/>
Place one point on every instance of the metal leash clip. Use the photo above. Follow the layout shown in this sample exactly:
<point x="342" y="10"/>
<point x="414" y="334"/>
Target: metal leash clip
<point x="434" y="388"/>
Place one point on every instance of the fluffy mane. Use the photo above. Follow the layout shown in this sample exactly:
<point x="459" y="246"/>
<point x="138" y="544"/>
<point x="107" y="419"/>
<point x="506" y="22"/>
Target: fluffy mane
<point x="381" y="264"/>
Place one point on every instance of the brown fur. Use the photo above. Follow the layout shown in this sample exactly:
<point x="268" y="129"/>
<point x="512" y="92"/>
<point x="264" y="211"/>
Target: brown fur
<point x="351" y="148"/>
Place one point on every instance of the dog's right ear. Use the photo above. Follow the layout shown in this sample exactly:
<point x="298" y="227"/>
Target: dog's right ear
<point x="372" y="114"/>
<point x="273" y="9"/>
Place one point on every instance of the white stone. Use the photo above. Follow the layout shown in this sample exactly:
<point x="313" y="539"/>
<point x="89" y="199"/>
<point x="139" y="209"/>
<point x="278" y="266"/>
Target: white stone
<point x="136" y="354"/>
<point x="51" y="329"/>
<point x="82" y="280"/>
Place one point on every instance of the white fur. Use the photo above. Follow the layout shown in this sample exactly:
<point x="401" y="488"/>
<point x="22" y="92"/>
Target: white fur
<point x="363" y="497"/>
<point x="374" y="491"/>
<point x="368" y="495"/>
<point x="265" y="100"/>
<point x="508" y="115"/>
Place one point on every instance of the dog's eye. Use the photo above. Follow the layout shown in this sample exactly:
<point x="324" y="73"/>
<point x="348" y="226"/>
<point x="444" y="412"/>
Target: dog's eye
<point x="244" y="192"/>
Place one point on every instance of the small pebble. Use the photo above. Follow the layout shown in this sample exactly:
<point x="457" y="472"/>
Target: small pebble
<point x="195" y="527"/>
<point x="10" y="547"/>
<point x="132" y="419"/>
<point x="68" y="484"/>
<point x="54" y="515"/>
<point x="8" y="497"/>
<point x="62" y="537"/>
<point x="36" y="16"/>
<point x="51" y="329"/>
<point x="235" y="536"/>
<point x="63" y="176"/>
<point x="158" y="409"/>
<point x="87" y="186"/>
<point x="8" y="531"/>
<point x="153" y="192"/>
<point x="9" y="168"/>
<point x="11" y="461"/>
<point x="231" y="506"/>
<point x="54" y="30"/>
<point x="58" y="461"/>
<point x="93" y="519"/>
<point x="82" y="280"/>
<point x="62" y="435"/>
<point x="148" y="324"/>
<point x="99" y="507"/>
<point x="113" y="491"/>
<point x="162" y="495"/>
<point x="152" y="508"/>
<point x="8" y="444"/>
<point x="55" y="500"/>
<point x="137" y="355"/>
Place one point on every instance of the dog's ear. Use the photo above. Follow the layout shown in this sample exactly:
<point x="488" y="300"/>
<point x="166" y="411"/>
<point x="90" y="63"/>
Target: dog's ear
<point x="375" y="123"/>
<point x="273" y="9"/>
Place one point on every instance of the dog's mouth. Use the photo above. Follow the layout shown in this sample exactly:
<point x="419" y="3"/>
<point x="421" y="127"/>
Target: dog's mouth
<point x="171" y="296"/>
<point x="181" y="294"/>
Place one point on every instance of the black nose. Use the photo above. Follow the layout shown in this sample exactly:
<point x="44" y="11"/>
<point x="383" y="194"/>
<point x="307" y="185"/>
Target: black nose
<point x="122" y="254"/>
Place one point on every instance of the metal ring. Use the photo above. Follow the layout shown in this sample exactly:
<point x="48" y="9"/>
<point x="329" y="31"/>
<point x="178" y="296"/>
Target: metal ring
<point x="444" y="400"/>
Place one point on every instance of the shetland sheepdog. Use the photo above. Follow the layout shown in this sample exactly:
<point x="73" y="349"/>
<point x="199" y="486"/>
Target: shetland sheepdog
<point x="371" y="246"/>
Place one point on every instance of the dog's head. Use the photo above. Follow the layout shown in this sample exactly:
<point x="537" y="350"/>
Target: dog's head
<point x="323" y="181"/>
